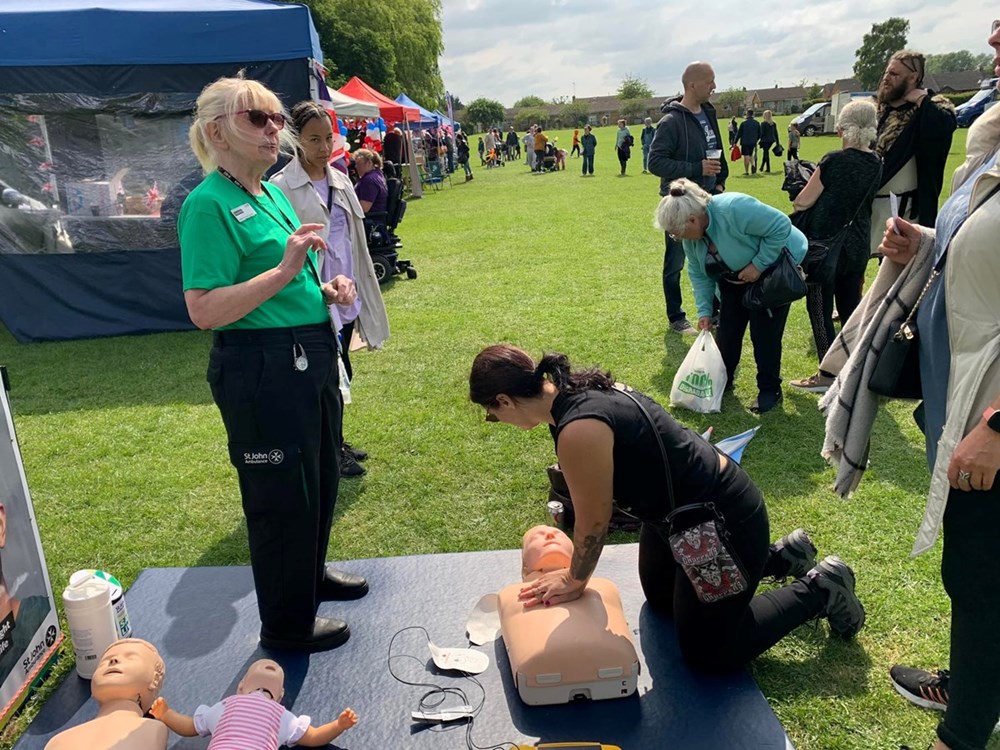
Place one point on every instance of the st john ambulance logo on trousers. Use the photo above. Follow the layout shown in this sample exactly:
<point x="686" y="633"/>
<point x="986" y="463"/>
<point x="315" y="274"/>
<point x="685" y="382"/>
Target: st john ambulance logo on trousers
<point x="275" y="456"/>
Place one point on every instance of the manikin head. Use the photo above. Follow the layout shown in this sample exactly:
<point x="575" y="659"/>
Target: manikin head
<point x="263" y="676"/>
<point x="130" y="670"/>
<point x="545" y="548"/>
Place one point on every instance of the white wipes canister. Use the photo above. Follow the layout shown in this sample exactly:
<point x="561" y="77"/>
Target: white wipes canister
<point x="91" y="619"/>
<point x="117" y="603"/>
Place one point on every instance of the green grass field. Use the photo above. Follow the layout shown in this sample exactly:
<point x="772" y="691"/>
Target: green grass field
<point x="125" y="452"/>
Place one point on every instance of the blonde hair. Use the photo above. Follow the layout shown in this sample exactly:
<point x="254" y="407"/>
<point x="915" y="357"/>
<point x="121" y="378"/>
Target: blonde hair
<point x="685" y="199"/>
<point x="858" y="123"/>
<point x="219" y="101"/>
<point x="768" y="115"/>
<point x="367" y="153"/>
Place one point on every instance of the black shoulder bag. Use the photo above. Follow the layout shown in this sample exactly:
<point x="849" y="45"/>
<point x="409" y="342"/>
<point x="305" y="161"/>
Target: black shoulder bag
<point x="820" y="261"/>
<point x="698" y="538"/>
<point x="897" y="369"/>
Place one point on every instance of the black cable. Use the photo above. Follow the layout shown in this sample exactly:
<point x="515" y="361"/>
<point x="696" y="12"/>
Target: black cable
<point x="436" y="695"/>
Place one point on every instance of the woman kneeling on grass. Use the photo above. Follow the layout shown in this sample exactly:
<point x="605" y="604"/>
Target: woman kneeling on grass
<point x="611" y="456"/>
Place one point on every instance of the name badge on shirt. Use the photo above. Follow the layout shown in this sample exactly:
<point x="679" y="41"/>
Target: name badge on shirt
<point x="244" y="212"/>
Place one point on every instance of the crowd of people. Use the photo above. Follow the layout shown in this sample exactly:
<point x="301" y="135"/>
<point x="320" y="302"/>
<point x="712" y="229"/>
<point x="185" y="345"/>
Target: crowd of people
<point x="283" y="317"/>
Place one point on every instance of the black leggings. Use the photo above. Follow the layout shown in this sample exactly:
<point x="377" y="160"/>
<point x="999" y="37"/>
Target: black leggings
<point x="846" y="289"/>
<point x="765" y="159"/>
<point x="970" y="568"/>
<point x="729" y="633"/>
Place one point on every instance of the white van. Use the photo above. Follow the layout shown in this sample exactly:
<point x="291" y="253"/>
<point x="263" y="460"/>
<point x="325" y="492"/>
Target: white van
<point x="821" y="117"/>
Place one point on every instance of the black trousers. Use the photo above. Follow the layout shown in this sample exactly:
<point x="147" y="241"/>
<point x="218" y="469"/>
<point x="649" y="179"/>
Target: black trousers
<point x="539" y="159"/>
<point x="576" y="150"/>
<point x="765" y="159"/>
<point x="727" y="634"/>
<point x="970" y="568"/>
<point x="846" y="289"/>
<point x="283" y="428"/>
<point x="673" y="264"/>
<point x="766" y="330"/>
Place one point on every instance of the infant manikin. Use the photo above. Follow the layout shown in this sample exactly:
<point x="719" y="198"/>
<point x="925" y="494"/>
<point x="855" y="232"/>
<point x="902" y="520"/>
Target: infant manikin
<point x="577" y="649"/>
<point x="126" y="682"/>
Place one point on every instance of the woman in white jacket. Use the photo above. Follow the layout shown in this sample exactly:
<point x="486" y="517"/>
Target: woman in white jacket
<point x="322" y="195"/>
<point x="959" y="347"/>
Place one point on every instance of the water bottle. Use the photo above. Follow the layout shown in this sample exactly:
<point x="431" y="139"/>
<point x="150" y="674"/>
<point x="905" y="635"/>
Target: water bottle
<point x="91" y="619"/>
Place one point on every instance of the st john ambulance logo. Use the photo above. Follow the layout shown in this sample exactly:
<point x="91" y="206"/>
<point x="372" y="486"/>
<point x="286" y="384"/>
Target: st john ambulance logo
<point x="275" y="456"/>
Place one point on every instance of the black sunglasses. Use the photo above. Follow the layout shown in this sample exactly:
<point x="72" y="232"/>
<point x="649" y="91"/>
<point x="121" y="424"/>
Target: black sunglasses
<point x="259" y="118"/>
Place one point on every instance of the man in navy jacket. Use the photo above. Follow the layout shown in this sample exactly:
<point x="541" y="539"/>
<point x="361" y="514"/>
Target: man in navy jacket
<point x="688" y="129"/>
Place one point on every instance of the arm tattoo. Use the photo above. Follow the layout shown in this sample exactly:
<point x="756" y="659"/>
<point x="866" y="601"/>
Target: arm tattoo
<point x="585" y="559"/>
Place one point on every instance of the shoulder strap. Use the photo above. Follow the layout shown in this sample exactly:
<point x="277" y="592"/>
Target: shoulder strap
<point x="624" y="389"/>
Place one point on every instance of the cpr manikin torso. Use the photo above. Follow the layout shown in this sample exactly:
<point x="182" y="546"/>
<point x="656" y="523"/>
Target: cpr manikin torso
<point x="578" y="649"/>
<point x="125" y="684"/>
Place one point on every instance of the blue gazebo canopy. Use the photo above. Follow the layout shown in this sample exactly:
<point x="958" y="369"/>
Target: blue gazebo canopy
<point x="428" y="119"/>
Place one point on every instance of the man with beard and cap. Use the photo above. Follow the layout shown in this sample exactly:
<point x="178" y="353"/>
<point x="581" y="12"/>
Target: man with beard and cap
<point x="688" y="129"/>
<point x="915" y="128"/>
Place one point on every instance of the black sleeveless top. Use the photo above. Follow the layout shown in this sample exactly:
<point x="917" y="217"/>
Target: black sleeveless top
<point x="640" y="485"/>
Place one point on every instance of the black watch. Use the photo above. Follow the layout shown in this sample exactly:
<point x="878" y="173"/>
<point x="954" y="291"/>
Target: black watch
<point x="992" y="418"/>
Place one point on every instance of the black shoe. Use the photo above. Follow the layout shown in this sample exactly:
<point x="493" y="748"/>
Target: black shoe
<point x="360" y="454"/>
<point x="843" y="610"/>
<point x="925" y="689"/>
<point x="765" y="402"/>
<point x="797" y="551"/>
<point x="340" y="586"/>
<point x="327" y="633"/>
<point x="349" y="466"/>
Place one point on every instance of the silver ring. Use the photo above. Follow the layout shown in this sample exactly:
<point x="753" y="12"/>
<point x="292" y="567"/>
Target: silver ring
<point x="964" y="476"/>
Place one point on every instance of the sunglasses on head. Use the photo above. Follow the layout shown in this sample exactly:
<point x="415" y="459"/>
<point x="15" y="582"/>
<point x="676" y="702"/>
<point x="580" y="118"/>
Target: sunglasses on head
<point x="258" y="117"/>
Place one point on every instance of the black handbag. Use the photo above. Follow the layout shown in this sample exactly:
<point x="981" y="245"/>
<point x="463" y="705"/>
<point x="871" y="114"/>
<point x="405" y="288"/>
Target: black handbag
<point x="779" y="284"/>
<point x="697" y="535"/>
<point x="822" y="255"/>
<point x="778" y="150"/>
<point x="897" y="370"/>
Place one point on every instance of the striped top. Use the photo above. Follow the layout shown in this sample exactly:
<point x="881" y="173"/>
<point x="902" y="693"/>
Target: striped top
<point x="249" y="722"/>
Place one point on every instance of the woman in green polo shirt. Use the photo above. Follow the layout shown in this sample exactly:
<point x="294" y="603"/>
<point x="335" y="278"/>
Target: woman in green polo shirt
<point x="250" y="274"/>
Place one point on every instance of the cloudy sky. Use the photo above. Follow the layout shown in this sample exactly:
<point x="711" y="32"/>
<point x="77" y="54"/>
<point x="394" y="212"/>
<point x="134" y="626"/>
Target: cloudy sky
<point x="506" y="49"/>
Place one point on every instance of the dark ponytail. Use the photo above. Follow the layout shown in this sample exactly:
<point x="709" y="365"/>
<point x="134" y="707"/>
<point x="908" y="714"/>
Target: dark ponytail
<point x="503" y="368"/>
<point x="557" y="367"/>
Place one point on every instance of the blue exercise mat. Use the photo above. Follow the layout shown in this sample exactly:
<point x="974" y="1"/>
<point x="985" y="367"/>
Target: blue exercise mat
<point x="204" y="622"/>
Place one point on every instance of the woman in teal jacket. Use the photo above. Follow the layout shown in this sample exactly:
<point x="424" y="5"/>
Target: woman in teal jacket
<point x="729" y="239"/>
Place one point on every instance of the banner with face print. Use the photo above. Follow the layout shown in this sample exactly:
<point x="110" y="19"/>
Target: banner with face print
<point x="29" y="623"/>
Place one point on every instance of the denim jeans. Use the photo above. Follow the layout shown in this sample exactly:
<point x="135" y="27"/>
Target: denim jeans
<point x="673" y="264"/>
<point x="588" y="164"/>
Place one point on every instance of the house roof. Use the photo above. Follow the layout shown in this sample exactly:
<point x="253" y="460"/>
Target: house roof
<point x="778" y="94"/>
<point x="964" y="80"/>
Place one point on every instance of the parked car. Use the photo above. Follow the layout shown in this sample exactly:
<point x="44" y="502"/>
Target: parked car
<point x="983" y="99"/>
<point x="821" y="117"/>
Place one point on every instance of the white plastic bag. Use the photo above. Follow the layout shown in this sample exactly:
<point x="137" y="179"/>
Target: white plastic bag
<point x="701" y="378"/>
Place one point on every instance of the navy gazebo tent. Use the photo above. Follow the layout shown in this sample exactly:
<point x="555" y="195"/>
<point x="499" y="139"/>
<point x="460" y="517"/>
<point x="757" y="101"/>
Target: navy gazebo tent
<point x="95" y="102"/>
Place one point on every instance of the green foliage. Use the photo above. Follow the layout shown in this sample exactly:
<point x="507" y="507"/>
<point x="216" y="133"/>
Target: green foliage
<point x="484" y="113"/>
<point x="529" y="101"/>
<point x="393" y="46"/>
<point x="531" y="116"/>
<point x="876" y="48"/>
<point x="633" y="87"/>
<point x="731" y="102"/>
<point x="633" y="109"/>
<point x="574" y="114"/>
<point x="814" y="92"/>
<point x="959" y="97"/>
<point x="957" y="62"/>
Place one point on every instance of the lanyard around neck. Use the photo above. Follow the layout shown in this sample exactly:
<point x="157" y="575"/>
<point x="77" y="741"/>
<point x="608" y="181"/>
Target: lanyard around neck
<point x="284" y="221"/>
